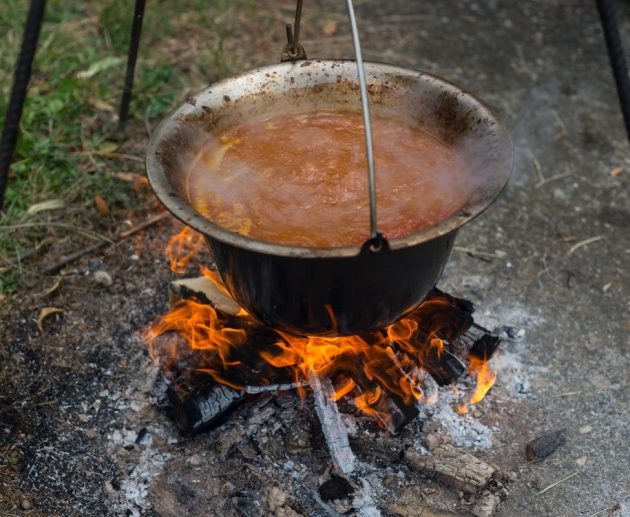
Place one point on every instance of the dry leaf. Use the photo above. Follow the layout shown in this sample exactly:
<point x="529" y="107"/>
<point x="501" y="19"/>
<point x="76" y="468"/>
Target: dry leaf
<point x="101" y="206"/>
<point x="44" y="313"/>
<point x="616" y="171"/>
<point x="330" y="27"/>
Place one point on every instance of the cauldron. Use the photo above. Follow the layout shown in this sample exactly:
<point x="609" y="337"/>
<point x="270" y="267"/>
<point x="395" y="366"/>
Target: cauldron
<point x="345" y="290"/>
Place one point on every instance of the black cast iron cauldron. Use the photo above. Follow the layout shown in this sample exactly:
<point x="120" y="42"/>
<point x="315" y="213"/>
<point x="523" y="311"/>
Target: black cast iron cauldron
<point x="297" y="289"/>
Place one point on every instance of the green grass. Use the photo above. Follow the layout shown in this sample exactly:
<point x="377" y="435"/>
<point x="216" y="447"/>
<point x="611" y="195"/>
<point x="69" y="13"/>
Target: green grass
<point x="69" y="119"/>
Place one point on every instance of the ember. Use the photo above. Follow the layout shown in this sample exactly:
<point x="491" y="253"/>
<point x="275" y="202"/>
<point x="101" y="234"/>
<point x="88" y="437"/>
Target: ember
<point x="383" y="374"/>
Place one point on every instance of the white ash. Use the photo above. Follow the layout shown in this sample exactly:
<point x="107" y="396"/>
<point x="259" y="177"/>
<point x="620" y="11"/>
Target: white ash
<point x="463" y="430"/>
<point x="513" y="374"/>
<point x="124" y="437"/>
<point x="364" y="501"/>
<point x="135" y="487"/>
<point x="513" y="324"/>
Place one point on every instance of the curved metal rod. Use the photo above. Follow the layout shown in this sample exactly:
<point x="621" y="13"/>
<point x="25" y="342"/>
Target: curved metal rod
<point x="375" y="234"/>
<point x="295" y="43"/>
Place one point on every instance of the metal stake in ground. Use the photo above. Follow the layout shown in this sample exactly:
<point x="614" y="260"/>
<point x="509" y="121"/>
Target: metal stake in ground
<point x="132" y="56"/>
<point x="608" y="15"/>
<point x="21" y="77"/>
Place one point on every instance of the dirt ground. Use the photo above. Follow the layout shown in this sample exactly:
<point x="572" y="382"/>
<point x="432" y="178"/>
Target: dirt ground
<point x="550" y="259"/>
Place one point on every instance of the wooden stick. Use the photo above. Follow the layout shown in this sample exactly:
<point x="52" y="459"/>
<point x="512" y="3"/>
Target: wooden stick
<point x="585" y="242"/>
<point x="51" y="270"/>
<point x="19" y="257"/>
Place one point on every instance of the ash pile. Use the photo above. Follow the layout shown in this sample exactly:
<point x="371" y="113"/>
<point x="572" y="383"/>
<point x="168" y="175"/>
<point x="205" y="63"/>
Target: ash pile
<point x="278" y="432"/>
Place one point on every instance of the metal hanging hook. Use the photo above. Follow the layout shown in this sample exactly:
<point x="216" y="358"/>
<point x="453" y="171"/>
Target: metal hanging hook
<point x="293" y="51"/>
<point x="376" y="237"/>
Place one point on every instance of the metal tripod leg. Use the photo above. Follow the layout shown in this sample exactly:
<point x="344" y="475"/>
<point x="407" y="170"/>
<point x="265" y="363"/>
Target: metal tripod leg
<point x="21" y="78"/>
<point x="134" y="43"/>
<point x="608" y="15"/>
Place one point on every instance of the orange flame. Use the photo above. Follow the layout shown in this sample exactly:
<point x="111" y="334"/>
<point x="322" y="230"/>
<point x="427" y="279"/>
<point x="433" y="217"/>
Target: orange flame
<point x="203" y="329"/>
<point x="183" y="247"/>
<point x="484" y="375"/>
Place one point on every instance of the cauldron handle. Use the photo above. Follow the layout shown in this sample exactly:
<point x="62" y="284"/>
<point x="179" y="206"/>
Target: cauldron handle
<point x="377" y="241"/>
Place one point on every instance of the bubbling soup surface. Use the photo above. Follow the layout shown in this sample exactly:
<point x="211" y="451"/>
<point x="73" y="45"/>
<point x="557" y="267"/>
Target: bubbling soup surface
<point x="301" y="179"/>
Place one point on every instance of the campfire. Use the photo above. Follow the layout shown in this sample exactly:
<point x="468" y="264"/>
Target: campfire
<point x="384" y="374"/>
<point x="214" y="356"/>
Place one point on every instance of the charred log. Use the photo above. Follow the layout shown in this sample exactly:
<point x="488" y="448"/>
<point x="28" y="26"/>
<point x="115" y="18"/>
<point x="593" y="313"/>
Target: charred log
<point x="457" y="469"/>
<point x="381" y="452"/>
<point x="200" y="403"/>
<point x="400" y="413"/>
<point x="443" y="366"/>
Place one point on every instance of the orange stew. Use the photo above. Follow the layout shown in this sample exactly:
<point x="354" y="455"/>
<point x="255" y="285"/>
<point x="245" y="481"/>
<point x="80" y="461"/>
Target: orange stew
<point x="301" y="179"/>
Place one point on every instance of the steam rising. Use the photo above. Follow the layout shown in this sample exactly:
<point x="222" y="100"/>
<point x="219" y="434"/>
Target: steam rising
<point x="302" y="180"/>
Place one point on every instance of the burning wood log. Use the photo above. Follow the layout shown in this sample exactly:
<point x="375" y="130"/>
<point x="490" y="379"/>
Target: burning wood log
<point x="205" y="291"/>
<point x="457" y="469"/>
<point x="544" y="445"/>
<point x="201" y="403"/>
<point x="333" y="428"/>
<point x="443" y="366"/>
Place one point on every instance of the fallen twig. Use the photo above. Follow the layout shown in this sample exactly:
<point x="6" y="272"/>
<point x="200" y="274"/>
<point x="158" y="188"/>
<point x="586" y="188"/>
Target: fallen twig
<point x="557" y="483"/>
<point x="585" y="242"/>
<point x="51" y="270"/>
<point x="17" y="259"/>
<point x="476" y="253"/>
<point x="555" y="177"/>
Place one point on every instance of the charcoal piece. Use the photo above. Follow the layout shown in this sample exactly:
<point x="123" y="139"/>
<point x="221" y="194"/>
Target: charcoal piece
<point x="141" y="438"/>
<point x="485" y="347"/>
<point x="545" y="444"/>
<point x="443" y="366"/>
<point x="382" y="451"/>
<point x="336" y="488"/>
<point x="400" y="413"/>
<point x="200" y="403"/>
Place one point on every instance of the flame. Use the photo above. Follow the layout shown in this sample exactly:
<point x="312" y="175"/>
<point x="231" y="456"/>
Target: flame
<point x="183" y="247"/>
<point x="484" y="375"/>
<point x="204" y="329"/>
<point x="370" y="370"/>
